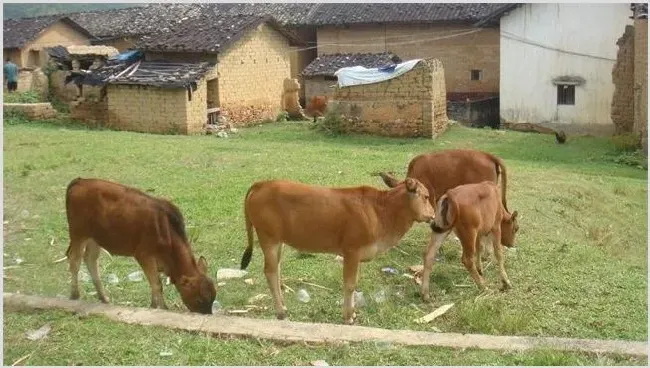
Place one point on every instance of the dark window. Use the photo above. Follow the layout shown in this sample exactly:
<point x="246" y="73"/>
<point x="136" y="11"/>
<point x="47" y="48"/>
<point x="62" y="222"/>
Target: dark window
<point x="331" y="78"/>
<point x="566" y="94"/>
<point x="476" y="74"/>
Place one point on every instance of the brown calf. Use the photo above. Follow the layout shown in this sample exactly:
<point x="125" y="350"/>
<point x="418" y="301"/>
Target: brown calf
<point x="355" y="223"/>
<point x="317" y="106"/>
<point x="128" y="222"/>
<point x="473" y="211"/>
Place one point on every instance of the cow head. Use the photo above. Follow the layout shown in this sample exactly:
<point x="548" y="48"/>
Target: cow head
<point x="509" y="228"/>
<point x="418" y="197"/>
<point x="198" y="292"/>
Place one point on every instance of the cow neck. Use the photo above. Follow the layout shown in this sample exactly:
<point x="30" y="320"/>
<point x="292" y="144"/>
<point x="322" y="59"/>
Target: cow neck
<point x="183" y="260"/>
<point x="396" y="219"/>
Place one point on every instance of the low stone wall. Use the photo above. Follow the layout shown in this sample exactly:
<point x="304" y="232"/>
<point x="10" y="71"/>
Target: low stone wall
<point x="89" y="111"/>
<point x="34" y="111"/>
<point x="250" y="115"/>
<point x="411" y="105"/>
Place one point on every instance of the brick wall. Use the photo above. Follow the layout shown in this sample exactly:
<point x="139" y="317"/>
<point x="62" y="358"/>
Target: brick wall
<point x="459" y="55"/>
<point x="623" y="79"/>
<point x="90" y="111"/>
<point x="148" y="109"/>
<point x="411" y="105"/>
<point x="251" y="75"/>
<point x="197" y="109"/>
<point x="641" y="80"/>
<point x="64" y="92"/>
<point x="318" y="86"/>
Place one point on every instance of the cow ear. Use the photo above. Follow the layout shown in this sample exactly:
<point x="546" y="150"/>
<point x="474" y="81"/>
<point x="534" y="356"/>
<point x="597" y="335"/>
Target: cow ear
<point x="203" y="265"/>
<point x="411" y="185"/>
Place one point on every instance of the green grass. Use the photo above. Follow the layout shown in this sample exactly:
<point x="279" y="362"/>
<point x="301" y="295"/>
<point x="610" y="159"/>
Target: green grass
<point x="580" y="269"/>
<point x="22" y="97"/>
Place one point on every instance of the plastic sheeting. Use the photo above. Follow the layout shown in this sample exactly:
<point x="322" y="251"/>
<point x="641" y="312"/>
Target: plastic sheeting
<point x="356" y="75"/>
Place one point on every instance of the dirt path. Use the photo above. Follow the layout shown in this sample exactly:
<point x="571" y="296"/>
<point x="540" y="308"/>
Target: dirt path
<point x="317" y="332"/>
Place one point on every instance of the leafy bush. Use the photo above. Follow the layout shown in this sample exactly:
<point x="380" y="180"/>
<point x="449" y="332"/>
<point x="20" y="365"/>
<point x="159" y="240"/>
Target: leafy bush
<point x="282" y="117"/>
<point x="634" y="158"/>
<point x="627" y="142"/>
<point x="22" y="97"/>
<point x="332" y="124"/>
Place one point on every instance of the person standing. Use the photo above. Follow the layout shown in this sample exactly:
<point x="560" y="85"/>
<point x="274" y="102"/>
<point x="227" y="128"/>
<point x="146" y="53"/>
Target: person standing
<point x="11" y="75"/>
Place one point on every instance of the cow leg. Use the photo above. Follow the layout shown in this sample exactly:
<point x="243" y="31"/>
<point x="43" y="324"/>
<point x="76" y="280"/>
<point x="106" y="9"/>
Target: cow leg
<point x="281" y="291"/>
<point x="498" y="254"/>
<point x="91" y="257"/>
<point x="271" y="271"/>
<point x="429" y="258"/>
<point x="350" y="277"/>
<point x="479" y="254"/>
<point x="468" y="240"/>
<point x="150" y="269"/>
<point x="75" y="252"/>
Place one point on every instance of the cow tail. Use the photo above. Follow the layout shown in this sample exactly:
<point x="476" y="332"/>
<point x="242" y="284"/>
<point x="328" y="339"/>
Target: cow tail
<point x="67" y="204"/>
<point x="248" y="253"/>
<point x="445" y="215"/>
<point x="501" y="169"/>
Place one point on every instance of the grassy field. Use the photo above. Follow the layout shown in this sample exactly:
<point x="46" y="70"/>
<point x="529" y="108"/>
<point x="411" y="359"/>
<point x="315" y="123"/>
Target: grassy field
<point x="580" y="268"/>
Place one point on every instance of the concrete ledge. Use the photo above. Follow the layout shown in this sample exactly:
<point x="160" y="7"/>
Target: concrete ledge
<point x="317" y="332"/>
<point x="34" y="111"/>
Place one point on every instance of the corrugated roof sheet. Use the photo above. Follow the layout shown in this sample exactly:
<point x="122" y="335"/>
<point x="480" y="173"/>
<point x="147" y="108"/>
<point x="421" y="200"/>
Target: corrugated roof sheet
<point x="327" y="65"/>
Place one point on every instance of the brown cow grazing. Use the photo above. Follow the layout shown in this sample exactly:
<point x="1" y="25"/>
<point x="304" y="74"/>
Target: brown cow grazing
<point x="473" y="211"/>
<point x="317" y="106"/>
<point x="355" y="223"/>
<point x="127" y="222"/>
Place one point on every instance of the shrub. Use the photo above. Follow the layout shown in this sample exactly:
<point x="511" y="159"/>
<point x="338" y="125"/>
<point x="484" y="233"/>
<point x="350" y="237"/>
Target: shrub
<point x="627" y="142"/>
<point x="332" y="124"/>
<point x="282" y="117"/>
<point x="22" y="97"/>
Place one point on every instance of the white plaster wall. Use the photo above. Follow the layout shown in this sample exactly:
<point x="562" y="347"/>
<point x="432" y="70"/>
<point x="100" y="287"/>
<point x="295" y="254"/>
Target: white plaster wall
<point x="527" y="93"/>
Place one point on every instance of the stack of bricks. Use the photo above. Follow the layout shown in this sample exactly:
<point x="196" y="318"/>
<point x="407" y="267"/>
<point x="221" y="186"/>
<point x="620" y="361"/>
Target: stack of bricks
<point x="33" y="111"/>
<point x="411" y="105"/>
<point x="251" y="75"/>
<point x="623" y="78"/>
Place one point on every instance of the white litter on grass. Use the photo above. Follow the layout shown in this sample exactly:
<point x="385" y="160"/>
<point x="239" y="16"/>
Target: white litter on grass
<point x="359" y="299"/>
<point x="435" y="314"/>
<point x="380" y="297"/>
<point x="303" y="296"/>
<point x="19" y="260"/>
<point x="230" y="273"/>
<point x="216" y="307"/>
<point x="112" y="279"/>
<point x="38" y="334"/>
<point x="320" y="363"/>
<point x="166" y="353"/>
<point x="135" y="276"/>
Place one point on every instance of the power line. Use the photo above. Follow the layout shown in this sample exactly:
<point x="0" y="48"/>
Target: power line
<point x="514" y="37"/>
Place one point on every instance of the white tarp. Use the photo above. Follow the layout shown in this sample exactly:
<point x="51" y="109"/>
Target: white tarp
<point x="356" y="75"/>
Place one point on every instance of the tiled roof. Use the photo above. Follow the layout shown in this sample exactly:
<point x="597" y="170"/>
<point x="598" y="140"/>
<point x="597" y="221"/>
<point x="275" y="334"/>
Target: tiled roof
<point x="209" y="34"/>
<point x="360" y="13"/>
<point x="164" y="75"/>
<point x="328" y="64"/>
<point x="17" y="32"/>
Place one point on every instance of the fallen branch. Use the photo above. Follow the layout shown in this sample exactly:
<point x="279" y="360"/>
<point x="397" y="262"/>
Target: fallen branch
<point x="21" y="359"/>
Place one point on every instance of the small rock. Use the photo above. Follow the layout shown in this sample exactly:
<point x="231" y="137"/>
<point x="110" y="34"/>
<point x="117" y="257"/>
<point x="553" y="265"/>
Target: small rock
<point x="221" y="283"/>
<point x="230" y="273"/>
<point x="390" y="270"/>
<point x="320" y="363"/>
<point x="38" y="334"/>
<point x="19" y="261"/>
<point x="234" y="130"/>
<point x="222" y="134"/>
<point x="339" y="259"/>
<point x="380" y="297"/>
<point x="249" y="281"/>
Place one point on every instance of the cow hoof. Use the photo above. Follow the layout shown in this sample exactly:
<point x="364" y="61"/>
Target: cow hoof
<point x="506" y="286"/>
<point x="281" y="315"/>
<point x="426" y="297"/>
<point x="74" y="296"/>
<point x="104" y="300"/>
<point x="349" y="321"/>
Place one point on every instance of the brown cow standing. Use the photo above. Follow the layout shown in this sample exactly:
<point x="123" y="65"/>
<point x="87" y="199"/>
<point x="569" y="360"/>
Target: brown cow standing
<point x="473" y="211"/>
<point x="355" y="223"/>
<point x="444" y="170"/>
<point x="128" y="222"/>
